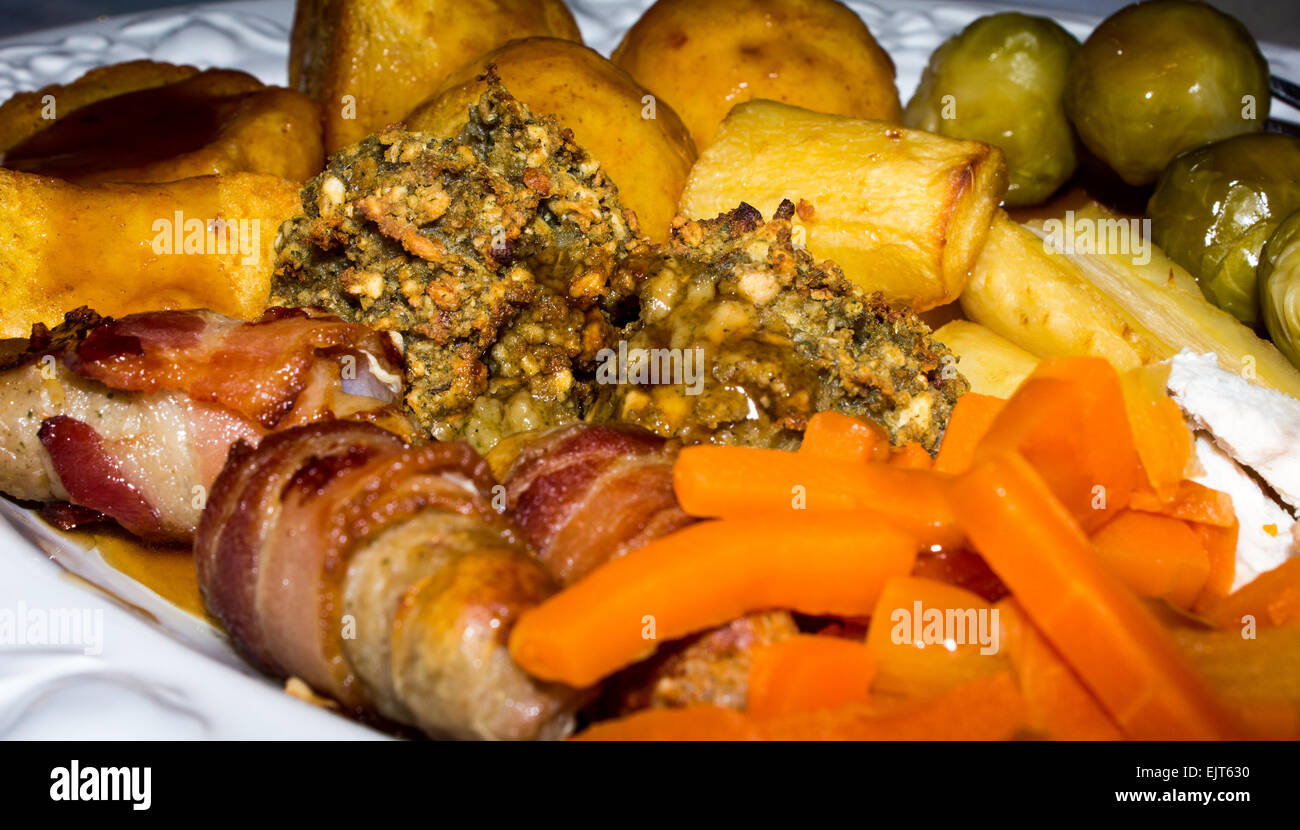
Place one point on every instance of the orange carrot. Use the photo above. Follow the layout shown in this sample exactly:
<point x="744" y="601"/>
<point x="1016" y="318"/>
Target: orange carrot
<point x="1161" y="436"/>
<point x="1101" y="629"/>
<point x="844" y="437"/>
<point x="1190" y="501"/>
<point x="970" y="420"/>
<point x="712" y="481"/>
<point x="989" y="709"/>
<point x="1069" y="421"/>
<point x="911" y="456"/>
<point x="1155" y="556"/>
<point x="1220" y="545"/>
<point x="808" y="672"/>
<point x="1057" y="704"/>
<point x="1272" y="598"/>
<point x="702" y="576"/>
<point x="927" y="638"/>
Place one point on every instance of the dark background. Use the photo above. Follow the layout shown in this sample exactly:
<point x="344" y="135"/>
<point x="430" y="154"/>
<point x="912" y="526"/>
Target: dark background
<point x="1274" y="20"/>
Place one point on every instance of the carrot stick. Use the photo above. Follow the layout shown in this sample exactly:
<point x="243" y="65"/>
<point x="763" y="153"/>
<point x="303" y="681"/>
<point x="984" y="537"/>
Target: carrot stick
<point x="911" y="626"/>
<point x="1155" y="556"/>
<point x="1069" y="421"/>
<point x="986" y="709"/>
<point x="911" y="456"/>
<point x="970" y="420"/>
<point x="844" y="437"/>
<point x="737" y="482"/>
<point x="1220" y="545"/>
<point x="808" y="672"/>
<point x="1057" y="704"/>
<point x="1161" y="436"/>
<point x="1190" y="501"/>
<point x="1100" y="628"/>
<point x="1272" y="598"/>
<point x="702" y="576"/>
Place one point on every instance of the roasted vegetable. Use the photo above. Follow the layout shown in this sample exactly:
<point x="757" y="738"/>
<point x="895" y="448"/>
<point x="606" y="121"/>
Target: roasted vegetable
<point x="1216" y="206"/>
<point x="367" y="62"/>
<point x="1158" y="78"/>
<point x="1107" y="306"/>
<point x="1279" y="287"/>
<point x="901" y="211"/>
<point x="1002" y="81"/>
<point x="205" y="242"/>
<point x="602" y="104"/>
<point x="216" y="121"/>
<point x="705" y="56"/>
<point x="991" y="364"/>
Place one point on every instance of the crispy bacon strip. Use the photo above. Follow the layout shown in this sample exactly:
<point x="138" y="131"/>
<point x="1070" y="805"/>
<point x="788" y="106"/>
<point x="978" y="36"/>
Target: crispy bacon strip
<point x="257" y="369"/>
<point x="382" y="575"/>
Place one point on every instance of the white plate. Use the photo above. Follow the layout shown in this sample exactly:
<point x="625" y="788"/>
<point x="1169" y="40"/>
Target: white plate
<point x="162" y="673"/>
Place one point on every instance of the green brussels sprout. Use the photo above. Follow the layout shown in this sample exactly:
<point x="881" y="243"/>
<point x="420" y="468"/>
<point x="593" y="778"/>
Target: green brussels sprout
<point x="1002" y="81"/>
<point x="1214" y="208"/>
<point x="1157" y="78"/>
<point x="1279" y="287"/>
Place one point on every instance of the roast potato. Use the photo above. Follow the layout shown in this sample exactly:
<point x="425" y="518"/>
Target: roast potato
<point x="367" y="62"/>
<point x="705" y="56"/>
<point x="123" y="248"/>
<point x="217" y="121"/>
<point x="641" y="143"/>
<point x="901" y="211"/>
<point x="1104" y="305"/>
<point x="991" y="364"/>
<point x="27" y="113"/>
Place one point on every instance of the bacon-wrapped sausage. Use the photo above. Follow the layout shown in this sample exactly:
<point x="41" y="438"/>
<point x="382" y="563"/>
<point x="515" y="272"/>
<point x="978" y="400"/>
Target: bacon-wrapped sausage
<point x="132" y="418"/>
<point x="382" y="575"/>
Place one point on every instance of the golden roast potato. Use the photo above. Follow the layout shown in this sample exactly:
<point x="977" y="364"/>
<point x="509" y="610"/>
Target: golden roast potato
<point x="705" y="56"/>
<point x="901" y="211"/>
<point x="27" y="113"/>
<point x="367" y="62"/>
<point x="640" y="142"/>
<point x="206" y="242"/>
<point x="217" y="121"/>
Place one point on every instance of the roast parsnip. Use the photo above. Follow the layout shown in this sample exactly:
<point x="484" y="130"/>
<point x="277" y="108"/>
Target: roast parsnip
<point x="901" y="211"/>
<point x="991" y="364"/>
<point x="1107" y="304"/>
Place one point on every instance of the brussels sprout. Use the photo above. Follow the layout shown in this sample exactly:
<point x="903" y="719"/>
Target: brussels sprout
<point x="1215" y="206"/>
<point x="1279" y="287"/>
<point x="1002" y="81"/>
<point x="1157" y="78"/>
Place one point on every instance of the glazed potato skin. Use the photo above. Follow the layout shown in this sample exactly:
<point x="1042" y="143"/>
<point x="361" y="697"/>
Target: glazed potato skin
<point x="68" y="246"/>
<point x="217" y="121"/>
<point x="705" y="56"/>
<point x="24" y="115"/>
<point x="900" y="211"/>
<point x="389" y="54"/>
<point x="648" y="158"/>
